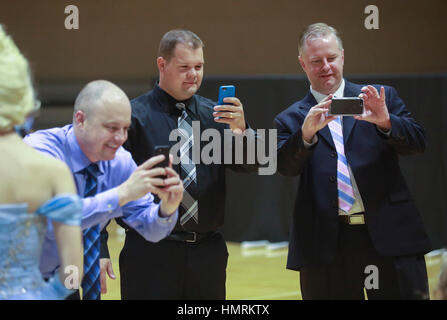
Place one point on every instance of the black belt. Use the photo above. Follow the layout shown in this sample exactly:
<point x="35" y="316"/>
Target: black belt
<point x="356" y="218"/>
<point x="188" y="236"/>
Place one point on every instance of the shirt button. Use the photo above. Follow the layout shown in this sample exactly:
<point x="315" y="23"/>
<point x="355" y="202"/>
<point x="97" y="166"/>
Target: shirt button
<point x="333" y="154"/>
<point x="332" y="178"/>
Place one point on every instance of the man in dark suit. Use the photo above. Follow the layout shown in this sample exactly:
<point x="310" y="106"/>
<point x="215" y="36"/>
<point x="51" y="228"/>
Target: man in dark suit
<point x="355" y="224"/>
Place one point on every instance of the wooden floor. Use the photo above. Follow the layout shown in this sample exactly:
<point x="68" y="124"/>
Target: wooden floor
<point x="252" y="274"/>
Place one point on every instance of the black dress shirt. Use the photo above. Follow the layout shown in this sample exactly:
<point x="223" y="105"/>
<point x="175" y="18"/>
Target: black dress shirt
<point x="154" y="116"/>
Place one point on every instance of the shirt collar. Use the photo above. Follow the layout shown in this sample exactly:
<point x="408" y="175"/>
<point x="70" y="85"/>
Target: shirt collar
<point x="320" y="96"/>
<point x="79" y="160"/>
<point x="166" y="99"/>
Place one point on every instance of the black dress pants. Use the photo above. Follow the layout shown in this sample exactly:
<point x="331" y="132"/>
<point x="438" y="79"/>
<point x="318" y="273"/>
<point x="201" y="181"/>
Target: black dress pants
<point x="403" y="277"/>
<point x="172" y="269"/>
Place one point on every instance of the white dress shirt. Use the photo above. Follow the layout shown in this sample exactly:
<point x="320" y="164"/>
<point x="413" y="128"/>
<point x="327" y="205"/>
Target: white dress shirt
<point x="358" y="204"/>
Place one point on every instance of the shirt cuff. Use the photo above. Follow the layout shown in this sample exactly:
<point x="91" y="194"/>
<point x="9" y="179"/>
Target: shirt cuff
<point x="166" y="220"/>
<point x="385" y="132"/>
<point x="308" y="145"/>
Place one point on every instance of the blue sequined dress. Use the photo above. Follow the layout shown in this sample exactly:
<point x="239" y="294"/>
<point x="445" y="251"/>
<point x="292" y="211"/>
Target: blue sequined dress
<point x="21" y="238"/>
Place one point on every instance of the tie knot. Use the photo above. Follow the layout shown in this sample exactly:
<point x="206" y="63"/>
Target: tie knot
<point x="92" y="170"/>
<point x="180" y="105"/>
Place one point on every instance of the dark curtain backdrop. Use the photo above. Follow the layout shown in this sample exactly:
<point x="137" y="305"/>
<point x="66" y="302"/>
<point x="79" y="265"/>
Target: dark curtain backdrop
<point x="260" y="207"/>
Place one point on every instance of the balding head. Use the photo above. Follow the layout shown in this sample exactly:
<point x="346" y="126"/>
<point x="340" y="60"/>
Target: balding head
<point x="95" y="93"/>
<point x="101" y="119"/>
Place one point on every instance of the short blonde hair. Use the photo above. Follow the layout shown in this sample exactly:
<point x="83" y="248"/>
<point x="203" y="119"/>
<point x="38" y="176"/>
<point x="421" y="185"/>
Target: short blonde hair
<point x="318" y="30"/>
<point x="16" y="90"/>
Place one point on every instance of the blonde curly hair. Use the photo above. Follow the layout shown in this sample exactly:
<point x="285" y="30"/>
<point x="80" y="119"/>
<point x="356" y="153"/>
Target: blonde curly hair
<point x="16" y="89"/>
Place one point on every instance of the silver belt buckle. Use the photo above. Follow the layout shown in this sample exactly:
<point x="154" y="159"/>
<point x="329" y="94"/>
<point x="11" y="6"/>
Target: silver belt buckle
<point x="195" y="237"/>
<point x="357" y="219"/>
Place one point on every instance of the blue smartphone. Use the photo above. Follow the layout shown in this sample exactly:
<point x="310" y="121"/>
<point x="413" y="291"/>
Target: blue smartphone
<point x="226" y="92"/>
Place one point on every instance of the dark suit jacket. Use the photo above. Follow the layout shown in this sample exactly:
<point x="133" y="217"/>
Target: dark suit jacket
<point x="392" y="219"/>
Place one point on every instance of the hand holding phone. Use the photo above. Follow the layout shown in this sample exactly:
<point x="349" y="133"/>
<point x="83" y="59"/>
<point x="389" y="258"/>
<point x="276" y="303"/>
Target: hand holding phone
<point x="231" y="113"/>
<point x="226" y="92"/>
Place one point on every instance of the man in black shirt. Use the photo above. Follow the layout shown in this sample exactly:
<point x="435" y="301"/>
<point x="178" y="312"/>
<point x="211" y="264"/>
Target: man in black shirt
<point x="191" y="262"/>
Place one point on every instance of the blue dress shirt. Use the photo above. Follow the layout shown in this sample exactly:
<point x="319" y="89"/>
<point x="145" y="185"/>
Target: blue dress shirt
<point x="142" y="214"/>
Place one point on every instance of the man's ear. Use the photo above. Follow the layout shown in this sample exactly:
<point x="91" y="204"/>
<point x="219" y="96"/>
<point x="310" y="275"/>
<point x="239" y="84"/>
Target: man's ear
<point x="79" y="118"/>
<point x="161" y="64"/>
<point x="303" y="65"/>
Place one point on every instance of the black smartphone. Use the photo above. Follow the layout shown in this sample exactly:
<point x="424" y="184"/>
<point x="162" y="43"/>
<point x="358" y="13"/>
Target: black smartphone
<point x="164" y="150"/>
<point x="349" y="106"/>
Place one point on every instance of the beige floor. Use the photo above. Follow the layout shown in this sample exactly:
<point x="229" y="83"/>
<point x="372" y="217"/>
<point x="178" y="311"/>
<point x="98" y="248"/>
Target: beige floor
<point x="252" y="274"/>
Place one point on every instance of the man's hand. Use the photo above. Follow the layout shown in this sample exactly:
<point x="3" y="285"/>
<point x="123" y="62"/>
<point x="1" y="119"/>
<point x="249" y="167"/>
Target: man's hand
<point x="143" y="180"/>
<point x="172" y="194"/>
<point x="233" y="115"/>
<point x="106" y="269"/>
<point x="375" y="110"/>
<point x="316" y="119"/>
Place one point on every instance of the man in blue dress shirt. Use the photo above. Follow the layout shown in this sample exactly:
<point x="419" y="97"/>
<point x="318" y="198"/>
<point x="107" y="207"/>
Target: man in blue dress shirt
<point x="102" y="116"/>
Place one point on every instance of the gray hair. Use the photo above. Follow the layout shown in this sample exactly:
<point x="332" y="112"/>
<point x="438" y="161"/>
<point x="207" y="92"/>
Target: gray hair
<point x="318" y="30"/>
<point x="172" y="38"/>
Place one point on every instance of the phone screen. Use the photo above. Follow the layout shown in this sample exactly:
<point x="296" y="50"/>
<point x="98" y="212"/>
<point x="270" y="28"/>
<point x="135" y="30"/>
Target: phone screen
<point x="346" y="106"/>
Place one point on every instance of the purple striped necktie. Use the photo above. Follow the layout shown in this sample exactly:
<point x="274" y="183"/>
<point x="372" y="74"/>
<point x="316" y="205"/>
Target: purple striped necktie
<point x="346" y="196"/>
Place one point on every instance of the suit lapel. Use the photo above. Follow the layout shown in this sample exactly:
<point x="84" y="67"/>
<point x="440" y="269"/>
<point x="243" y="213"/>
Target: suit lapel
<point x="326" y="134"/>
<point x="309" y="101"/>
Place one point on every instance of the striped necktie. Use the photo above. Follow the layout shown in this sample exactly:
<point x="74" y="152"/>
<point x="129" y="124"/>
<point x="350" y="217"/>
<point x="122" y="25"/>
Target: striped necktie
<point x="91" y="285"/>
<point x="346" y="196"/>
<point x="188" y="167"/>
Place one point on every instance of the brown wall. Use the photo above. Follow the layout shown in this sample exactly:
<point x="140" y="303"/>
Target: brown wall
<point x="118" y="39"/>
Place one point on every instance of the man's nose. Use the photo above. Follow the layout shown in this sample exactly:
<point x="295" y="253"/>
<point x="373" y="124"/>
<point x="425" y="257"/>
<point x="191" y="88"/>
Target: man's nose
<point x="326" y="65"/>
<point x="192" y="73"/>
<point x="121" y="136"/>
